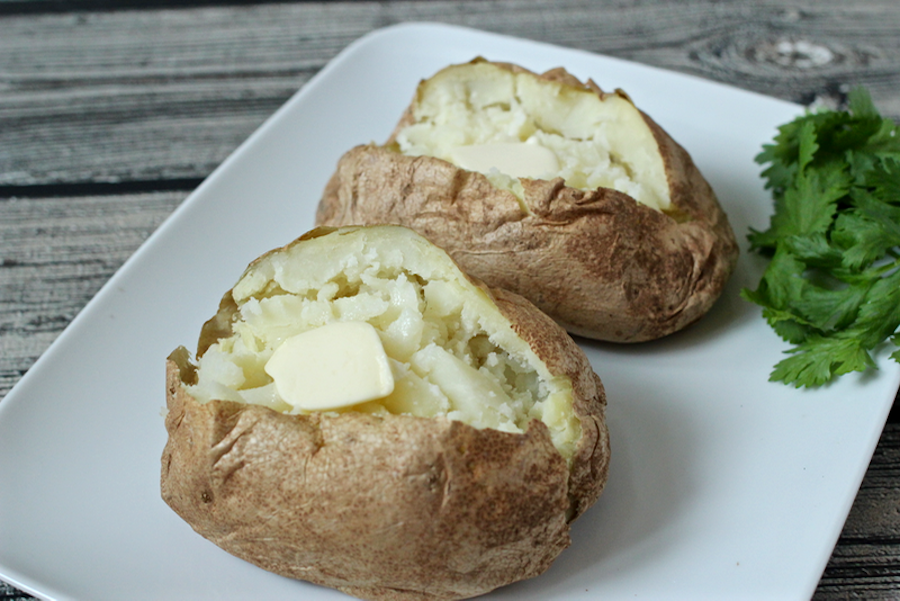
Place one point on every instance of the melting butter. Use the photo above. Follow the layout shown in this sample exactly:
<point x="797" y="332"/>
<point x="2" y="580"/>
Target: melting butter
<point x="515" y="159"/>
<point x="338" y="365"/>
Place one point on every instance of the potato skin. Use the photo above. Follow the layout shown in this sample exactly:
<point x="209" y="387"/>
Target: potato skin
<point x="384" y="508"/>
<point x="599" y="263"/>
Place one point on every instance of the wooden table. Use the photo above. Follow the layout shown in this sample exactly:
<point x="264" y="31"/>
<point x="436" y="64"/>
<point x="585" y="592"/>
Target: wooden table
<point x="111" y="113"/>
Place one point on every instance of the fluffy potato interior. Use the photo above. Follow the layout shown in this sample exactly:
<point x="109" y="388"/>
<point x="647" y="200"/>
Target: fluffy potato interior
<point x="597" y="141"/>
<point x="451" y="351"/>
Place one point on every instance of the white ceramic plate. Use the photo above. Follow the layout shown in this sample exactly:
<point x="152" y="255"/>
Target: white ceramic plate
<point x="723" y="486"/>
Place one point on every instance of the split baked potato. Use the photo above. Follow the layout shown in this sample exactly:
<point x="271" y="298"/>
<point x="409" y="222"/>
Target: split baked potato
<point x="550" y="188"/>
<point x="364" y="416"/>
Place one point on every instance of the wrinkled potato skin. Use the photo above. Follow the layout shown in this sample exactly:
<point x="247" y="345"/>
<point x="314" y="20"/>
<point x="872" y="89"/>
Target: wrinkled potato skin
<point x="384" y="508"/>
<point x="599" y="263"/>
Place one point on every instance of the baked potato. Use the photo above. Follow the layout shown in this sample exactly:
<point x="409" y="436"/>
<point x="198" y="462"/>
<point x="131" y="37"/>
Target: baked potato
<point x="553" y="189"/>
<point x="364" y="416"/>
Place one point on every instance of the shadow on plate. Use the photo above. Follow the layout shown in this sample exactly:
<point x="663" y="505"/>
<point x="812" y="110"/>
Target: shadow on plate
<point x="650" y="484"/>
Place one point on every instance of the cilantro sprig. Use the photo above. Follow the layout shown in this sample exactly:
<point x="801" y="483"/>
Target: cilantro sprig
<point x="832" y="287"/>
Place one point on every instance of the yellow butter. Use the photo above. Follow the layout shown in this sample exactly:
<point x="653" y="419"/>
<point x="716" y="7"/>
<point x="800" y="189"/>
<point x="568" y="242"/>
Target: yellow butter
<point x="515" y="159"/>
<point x="338" y="365"/>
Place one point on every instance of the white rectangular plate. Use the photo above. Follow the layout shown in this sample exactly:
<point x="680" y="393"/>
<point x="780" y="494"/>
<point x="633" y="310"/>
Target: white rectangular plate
<point x="723" y="485"/>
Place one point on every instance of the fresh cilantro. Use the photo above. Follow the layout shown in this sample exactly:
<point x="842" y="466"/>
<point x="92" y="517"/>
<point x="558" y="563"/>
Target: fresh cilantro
<point x="832" y="287"/>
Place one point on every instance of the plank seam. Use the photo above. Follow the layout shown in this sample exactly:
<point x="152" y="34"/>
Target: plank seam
<point x="76" y="189"/>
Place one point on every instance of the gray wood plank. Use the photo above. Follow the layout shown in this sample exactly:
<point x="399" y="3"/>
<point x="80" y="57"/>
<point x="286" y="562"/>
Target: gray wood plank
<point x="10" y="593"/>
<point x="139" y="95"/>
<point x="55" y="254"/>
<point x="866" y="561"/>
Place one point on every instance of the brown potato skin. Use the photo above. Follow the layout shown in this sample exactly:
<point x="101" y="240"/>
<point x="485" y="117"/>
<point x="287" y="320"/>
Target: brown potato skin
<point x="384" y="508"/>
<point x="599" y="263"/>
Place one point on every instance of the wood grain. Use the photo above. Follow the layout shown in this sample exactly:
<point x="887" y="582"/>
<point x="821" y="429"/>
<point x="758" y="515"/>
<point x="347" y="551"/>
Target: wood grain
<point x="866" y="561"/>
<point x="160" y="94"/>
<point x="55" y="254"/>
<point x="139" y="104"/>
<point x="10" y="593"/>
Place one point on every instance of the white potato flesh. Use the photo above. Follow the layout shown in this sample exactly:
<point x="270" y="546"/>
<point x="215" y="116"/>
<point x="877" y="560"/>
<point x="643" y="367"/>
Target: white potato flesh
<point x="452" y="353"/>
<point x="596" y="142"/>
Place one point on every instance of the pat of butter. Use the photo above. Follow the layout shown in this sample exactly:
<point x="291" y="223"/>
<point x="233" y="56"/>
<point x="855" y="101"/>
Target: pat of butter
<point x="516" y="159"/>
<point x="334" y="366"/>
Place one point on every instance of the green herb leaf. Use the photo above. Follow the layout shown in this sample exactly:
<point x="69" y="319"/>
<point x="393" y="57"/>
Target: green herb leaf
<point x="819" y="359"/>
<point x="866" y="233"/>
<point x="884" y="179"/>
<point x="861" y="105"/>
<point x="810" y="204"/>
<point x="879" y="316"/>
<point x="832" y="287"/>
<point x="831" y="309"/>
<point x="814" y="250"/>
<point x="791" y="327"/>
